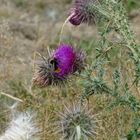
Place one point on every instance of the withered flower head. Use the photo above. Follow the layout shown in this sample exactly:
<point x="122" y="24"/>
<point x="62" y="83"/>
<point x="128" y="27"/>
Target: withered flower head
<point x="76" y="123"/>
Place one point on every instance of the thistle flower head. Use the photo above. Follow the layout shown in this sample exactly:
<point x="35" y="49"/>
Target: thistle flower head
<point x="82" y="12"/>
<point x="77" y="123"/>
<point x="55" y="69"/>
<point x="21" y="127"/>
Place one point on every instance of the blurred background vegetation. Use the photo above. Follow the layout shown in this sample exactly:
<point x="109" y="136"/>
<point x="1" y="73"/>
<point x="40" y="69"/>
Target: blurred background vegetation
<point x="27" y="26"/>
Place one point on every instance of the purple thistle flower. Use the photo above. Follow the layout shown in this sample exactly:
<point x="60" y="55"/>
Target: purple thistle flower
<point x="82" y="12"/>
<point x="55" y="69"/>
<point x="65" y="57"/>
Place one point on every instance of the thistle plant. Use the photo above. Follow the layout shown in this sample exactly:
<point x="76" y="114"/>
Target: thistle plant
<point x="106" y="75"/>
<point x="111" y="17"/>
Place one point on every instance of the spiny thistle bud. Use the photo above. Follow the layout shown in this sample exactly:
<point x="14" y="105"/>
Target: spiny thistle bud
<point x="55" y="69"/>
<point x="77" y="123"/>
<point x="21" y="127"/>
<point x="82" y="12"/>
